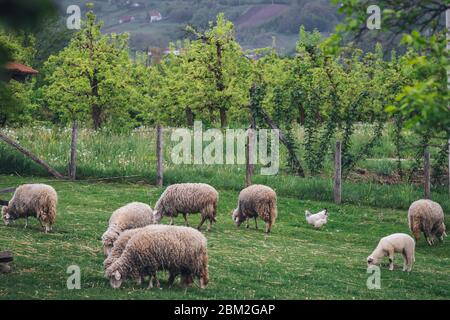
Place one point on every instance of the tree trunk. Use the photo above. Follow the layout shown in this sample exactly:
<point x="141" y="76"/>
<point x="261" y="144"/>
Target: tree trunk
<point x="73" y="151"/>
<point x="338" y="173"/>
<point x="189" y="116"/>
<point x="296" y="162"/>
<point x="249" y="151"/>
<point x="223" y="117"/>
<point x="159" y="156"/>
<point x="96" y="116"/>
<point x="427" y="174"/>
<point x="31" y="156"/>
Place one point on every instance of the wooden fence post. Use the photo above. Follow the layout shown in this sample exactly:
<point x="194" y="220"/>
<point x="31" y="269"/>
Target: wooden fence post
<point x="249" y="157"/>
<point x="427" y="174"/>
<point x="73" y="151"/>
<point x="338" y="173"/>
<point x="159" y="156"/>
<point x="449" y="168"/>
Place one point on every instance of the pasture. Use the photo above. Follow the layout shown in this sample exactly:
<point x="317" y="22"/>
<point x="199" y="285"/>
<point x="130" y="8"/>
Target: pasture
<point x="294" y="262"/>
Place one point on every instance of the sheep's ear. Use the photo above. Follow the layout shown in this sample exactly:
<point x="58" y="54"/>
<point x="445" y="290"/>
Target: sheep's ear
<point x="307" y="212"/>
<point x="117" y="275"/>
<point x="326" y="211"/>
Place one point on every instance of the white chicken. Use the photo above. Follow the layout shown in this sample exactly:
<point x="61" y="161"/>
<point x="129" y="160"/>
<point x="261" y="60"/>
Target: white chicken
<point x="318" y="219"/>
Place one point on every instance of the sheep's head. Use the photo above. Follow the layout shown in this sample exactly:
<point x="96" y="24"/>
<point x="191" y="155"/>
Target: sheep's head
<point x="372" y="261"/>
<point x="115" y="279"/>
<point x="107" y="242"/>
<point x="440" y="232"/>
<point x="238" y="218"/>
<point x="307" y="213"/>
<point x="6" y="216"/>
<point x="157" y="216"/>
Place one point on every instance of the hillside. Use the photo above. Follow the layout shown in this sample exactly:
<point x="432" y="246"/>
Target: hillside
<point x="256" y="21"/>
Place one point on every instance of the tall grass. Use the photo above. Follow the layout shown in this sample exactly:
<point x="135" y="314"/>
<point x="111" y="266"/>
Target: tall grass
<point x="109" y="154"/>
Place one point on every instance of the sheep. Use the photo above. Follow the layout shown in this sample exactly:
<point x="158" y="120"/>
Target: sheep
<point x="121" y="243"/>
<point x="256" y="200"/>
<point x="317" y="220"/>
<point x="130" y="216"/>
<point x="188" y="198"/>
<point x="388" y="246"/>
<point x="428" y="217"/>
<point x="37" y="200"/>
<point x="179" y="250"/>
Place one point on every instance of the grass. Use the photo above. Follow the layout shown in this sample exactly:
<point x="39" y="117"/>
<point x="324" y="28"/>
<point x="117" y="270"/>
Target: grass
<point x="108" y="154"/>
<point x="294" y="262"/>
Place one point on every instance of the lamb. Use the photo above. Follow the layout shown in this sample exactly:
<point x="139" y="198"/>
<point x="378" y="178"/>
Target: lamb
<point x="388" y="246"/>
<point x="188" y="198"/>
<point x="428" y="217"/>
<point x="317" y="220"/>
<point x="130" y="216"/>
<point x="179" y="250"/>
<point x="36" y="200"/>
<point x="256" y="200"/>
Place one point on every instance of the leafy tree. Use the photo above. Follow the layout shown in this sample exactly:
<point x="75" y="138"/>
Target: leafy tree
<point x="92" y="77"/>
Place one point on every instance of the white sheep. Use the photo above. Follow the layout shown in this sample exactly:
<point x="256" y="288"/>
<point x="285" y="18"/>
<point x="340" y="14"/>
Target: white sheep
<point x="130" y="216"/>
<point x="256" y="200"/>
<point x="428" y="217"/>
<point x="35" y="200"/>
<point x="388" y="246"/>
<point x="187" y="198"/>
<point x="179" y="250"/>
<point x="317" y="220"/>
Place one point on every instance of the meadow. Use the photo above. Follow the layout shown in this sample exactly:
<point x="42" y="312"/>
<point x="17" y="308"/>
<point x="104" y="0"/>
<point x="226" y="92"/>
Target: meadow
<point x="293" y="262"/>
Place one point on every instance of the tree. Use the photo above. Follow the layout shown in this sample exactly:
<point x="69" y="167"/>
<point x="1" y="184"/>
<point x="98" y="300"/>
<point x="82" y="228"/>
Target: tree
<point x="91" y="77"/>
<point x="424" y="101"/>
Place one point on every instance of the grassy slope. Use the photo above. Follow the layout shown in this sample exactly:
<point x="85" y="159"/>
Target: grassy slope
<point x="294" y="262"/>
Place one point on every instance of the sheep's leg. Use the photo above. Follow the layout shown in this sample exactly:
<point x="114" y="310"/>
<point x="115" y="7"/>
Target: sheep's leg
<point x="186" y="222"/>
<point x="247" y="223"/>
<point x="256" y="223"/>
<point x="405" y="260"/>
<point x="26" y="222"/>
<point x="391" y="260"/>
<point x="171" y="221"/>
<point x="153" y="278"/>
<point x="210" y="224"/>
<point x="268" y="227"/>
<point x="201" y="222"/>
<point x="172" y="276"/>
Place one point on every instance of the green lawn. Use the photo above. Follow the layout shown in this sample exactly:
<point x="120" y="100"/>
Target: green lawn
<point x="294" y="262"/>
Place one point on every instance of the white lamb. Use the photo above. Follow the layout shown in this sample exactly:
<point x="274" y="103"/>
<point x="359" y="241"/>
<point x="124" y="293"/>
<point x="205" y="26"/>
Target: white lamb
<point x="318" y="219"/>
<point x="388" y="246"/>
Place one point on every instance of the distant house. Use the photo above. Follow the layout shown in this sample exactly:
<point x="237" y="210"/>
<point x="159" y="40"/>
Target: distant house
<point x="138" y="5"/>
<point x="154" y="15"/>
<point x="126" y="19"/>
<point x="18" y="71"/>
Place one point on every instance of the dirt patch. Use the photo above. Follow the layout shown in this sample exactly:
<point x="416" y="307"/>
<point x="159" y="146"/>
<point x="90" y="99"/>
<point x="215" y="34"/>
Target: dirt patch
<point x="259" y="14"/>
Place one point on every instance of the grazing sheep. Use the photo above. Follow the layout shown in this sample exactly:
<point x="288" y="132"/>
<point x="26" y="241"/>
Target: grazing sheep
<point x="188" y="198"/>
<point x="428" y="217"/>
<point x="179" y="250"/>
<point x="388" y="246"/>
<point x="36" y="200"/>
<point x="130" y="216"/>
<point x="317" y="220"/>
<point x="256" y="200"/>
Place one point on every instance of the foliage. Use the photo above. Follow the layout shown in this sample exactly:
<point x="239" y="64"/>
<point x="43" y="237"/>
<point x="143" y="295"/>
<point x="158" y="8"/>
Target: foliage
<point x="92" y="78"/>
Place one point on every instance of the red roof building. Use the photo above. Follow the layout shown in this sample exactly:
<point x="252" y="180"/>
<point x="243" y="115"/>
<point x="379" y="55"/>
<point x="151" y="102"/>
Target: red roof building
<point x="18" y="71"/>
